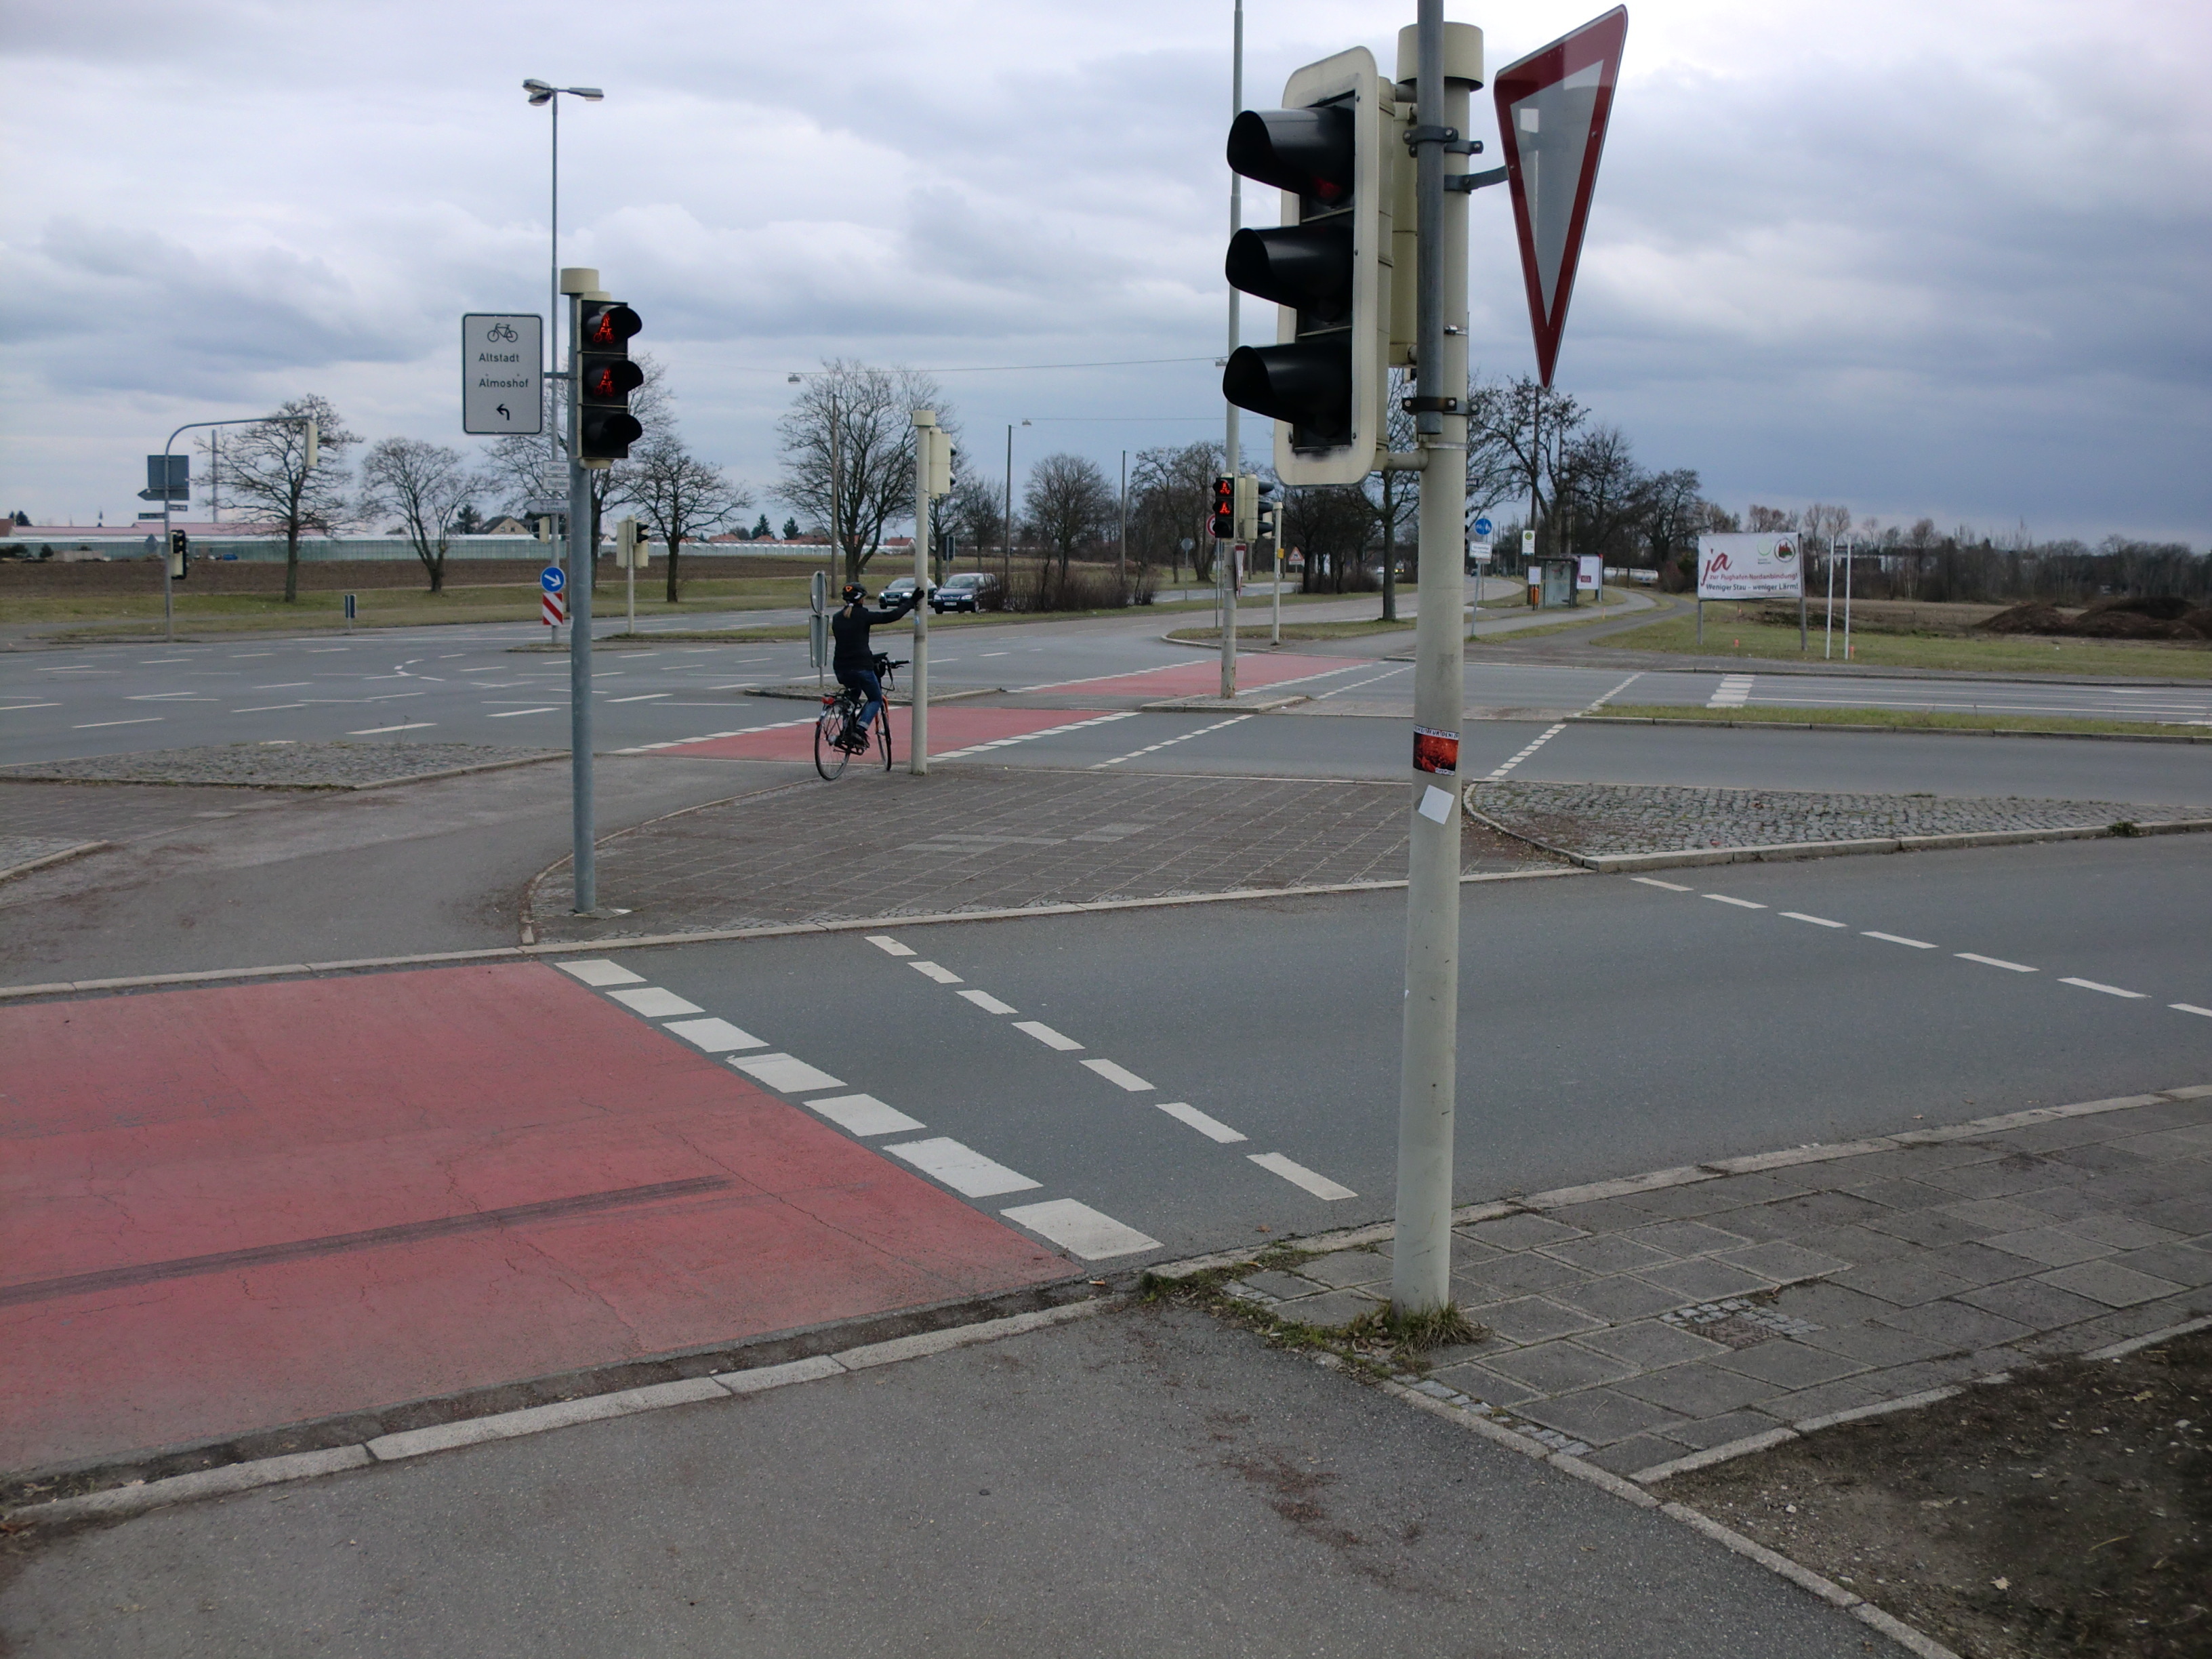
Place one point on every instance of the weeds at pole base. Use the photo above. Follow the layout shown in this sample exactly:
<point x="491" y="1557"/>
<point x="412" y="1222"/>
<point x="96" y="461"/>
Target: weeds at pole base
<point x="1415" y="1332"/>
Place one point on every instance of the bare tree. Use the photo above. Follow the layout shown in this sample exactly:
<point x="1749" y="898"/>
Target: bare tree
<point x="857" y="423"/>
<point x="1396" y="495"/>
<point x="427" y="487"/>
<point x="971" y="514"/>
<point x="1070" y="503"/>
<point x="265" y="473"/>
<point x="1517" y="434"/>
<point x="1170" y="491"/>
<point x="1330" y="524"/>
<point x="682" y="497"/>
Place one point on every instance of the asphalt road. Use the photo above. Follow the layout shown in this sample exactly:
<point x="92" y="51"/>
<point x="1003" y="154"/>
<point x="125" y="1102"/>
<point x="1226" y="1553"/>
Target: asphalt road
<point x="470" y="684"/>
<point x="1143" y="1484"/>
<point x="1608" y="1026"/>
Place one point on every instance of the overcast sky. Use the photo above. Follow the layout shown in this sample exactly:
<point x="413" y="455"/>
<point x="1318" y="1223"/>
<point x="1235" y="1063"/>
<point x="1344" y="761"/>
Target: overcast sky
<point x="1947" y="259"/>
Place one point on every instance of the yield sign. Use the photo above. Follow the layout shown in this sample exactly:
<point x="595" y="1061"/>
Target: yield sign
<point x="1552" y="111"/>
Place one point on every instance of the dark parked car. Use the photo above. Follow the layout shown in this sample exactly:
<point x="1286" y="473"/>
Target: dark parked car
<point x="962" y="593"/>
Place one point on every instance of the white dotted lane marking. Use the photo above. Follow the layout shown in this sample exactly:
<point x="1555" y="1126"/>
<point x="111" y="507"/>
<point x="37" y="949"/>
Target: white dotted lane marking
<point x="886" y="943"/>
<point x="1031" y="736"/>
<point x="2109" y="990"/>
<point x="1735" y="690"/>
<point x="1323" y="696"/>
<point x="1994" y="962"/>
<point x="864" y="1115"/>
<point x="704" y="737"/>
<point x="714" y="1036"/>
<point x="967" y="1171"/>
<point x="1079" y="1230"/>
<point x="786" y="1074"/>
<point x="1602" y="702"/>
<point x="1741" y="904"/>
<point x="1525" y="753"/>
<point x="2190" y="1008"/>
<point x="1298" y="1175"/>
<point x="931" y="970"/>
<point x="1120" y="1076"/>
<point x="1212" y="1128"/>
<point x="987" y="1002"/>
<point x="1818" y="921"/>
<point x="1654" y="881"/>
<point x="375" y="731"/>
<point x="1168" y="742"/>
<point x="598" y="971"/>
<point x="1896" y="938"/>
<point x="654" y="1003"/>
<point x="1044" y="1034"/>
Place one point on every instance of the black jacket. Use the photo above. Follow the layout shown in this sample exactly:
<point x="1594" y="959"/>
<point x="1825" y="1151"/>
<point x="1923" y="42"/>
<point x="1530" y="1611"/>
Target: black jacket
<point x="850" y="625"/>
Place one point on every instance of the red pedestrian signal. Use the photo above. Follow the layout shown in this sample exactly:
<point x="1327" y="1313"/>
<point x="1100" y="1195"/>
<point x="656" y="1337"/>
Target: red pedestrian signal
<point x="1222" y="525"/>
<point x="605" y="377"/>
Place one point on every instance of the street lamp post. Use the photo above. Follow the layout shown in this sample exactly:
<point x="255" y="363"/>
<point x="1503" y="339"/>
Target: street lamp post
<point x="1006" y="549"/>
<point x="541" y="93"/>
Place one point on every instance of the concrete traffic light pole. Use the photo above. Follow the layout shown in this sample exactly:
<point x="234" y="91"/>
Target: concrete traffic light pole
<point x="917" y="742"/>
<point x="580" y="283"/>
<point x="1224" y="552"/>
<point x="1445" y="61"/>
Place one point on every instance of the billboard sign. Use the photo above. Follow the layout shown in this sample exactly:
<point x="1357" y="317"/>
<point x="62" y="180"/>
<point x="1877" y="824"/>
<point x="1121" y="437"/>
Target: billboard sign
<point x="1764" y="565"/>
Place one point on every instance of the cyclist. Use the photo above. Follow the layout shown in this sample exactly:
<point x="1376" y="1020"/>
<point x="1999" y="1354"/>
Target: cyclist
<point x="856" y="660"/>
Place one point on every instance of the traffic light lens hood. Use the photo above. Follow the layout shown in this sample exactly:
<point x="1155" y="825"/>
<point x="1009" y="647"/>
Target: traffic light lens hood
<point x="1306" y="267"/>
<point x="1307" y="151"/>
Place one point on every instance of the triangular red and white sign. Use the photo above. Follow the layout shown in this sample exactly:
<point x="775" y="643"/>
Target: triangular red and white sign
<point x="1552" y="111"/>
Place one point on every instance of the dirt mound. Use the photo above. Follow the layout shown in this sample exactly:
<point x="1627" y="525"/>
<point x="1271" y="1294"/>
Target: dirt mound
<point x="2036" y="616"/>
<point x="2159" y="607"/>
<point x="2201" y="619"/>
<point x="2127" y="625"/>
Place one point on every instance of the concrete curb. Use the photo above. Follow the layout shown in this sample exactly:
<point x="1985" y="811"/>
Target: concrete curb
<point x="785" y="930"/>
<point x="117" y="1503"/>
<point x="1895" y="730"/>
<point x="1610" y="864"/>
<point x="9" y="776"/>
<point x="62" y="857"/>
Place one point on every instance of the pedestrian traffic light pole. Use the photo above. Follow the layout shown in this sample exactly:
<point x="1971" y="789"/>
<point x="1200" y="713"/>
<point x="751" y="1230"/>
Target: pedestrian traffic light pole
<point x="1225" y="578"/>
<point x="917" y="737"/>
<point x="580" y="283"/>
<point x="168" y="536"/>
<point x="1447" y="66"/>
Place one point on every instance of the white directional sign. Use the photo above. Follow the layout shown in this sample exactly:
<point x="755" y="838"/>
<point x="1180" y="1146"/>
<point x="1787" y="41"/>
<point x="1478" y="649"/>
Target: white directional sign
<point x="502" y="373"/>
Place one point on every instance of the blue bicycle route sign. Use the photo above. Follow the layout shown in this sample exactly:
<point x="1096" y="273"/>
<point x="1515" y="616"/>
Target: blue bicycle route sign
<point x="552" y="579"/>
<point x="1482" y="528"/>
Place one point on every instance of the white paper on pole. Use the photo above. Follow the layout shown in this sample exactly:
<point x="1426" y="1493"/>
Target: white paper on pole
<point x="1435" y="805"/>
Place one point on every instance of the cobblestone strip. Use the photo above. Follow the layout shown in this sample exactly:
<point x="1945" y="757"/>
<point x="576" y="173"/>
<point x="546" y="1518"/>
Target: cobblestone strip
<point x="990" y="839"/>
<point x="1598" y="822"/>
<point x="285" y="765"/>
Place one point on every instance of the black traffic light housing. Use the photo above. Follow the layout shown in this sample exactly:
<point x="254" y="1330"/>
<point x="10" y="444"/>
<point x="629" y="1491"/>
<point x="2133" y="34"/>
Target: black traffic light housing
<point x="1327" y="265"/>
<point x="181" y="555"/>
<point x="605" y="377"/>
<point x="1222" y="525"/>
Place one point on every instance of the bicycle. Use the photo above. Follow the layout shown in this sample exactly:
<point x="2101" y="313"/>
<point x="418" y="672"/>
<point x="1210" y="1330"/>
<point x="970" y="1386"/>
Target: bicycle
<point x="831" y="755"/>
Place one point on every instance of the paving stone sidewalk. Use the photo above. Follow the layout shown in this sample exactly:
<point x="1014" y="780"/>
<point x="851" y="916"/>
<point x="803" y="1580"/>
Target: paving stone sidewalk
<point x="981" y="838"/>
<point x="1596" y="820"/>
<point x="1730" y="1300"/>
<point x="334" y="765"/>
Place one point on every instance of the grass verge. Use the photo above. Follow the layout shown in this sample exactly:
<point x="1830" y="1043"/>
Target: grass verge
<point x="1734" y="632"/>
<point x="1901" y="719"/>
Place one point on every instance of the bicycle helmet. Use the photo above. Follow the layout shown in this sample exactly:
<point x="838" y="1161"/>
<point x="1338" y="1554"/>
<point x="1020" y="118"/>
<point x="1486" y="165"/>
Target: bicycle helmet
<point x="855" y="594"/>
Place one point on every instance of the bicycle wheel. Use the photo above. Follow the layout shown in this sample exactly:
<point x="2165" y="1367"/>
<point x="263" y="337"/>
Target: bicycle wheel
<point x="883" y="733"/>
<point x="830" y="760"/>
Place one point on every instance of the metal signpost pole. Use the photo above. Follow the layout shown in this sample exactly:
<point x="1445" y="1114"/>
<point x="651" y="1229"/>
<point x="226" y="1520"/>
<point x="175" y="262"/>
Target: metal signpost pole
<point x="1850" y="557"/>
<point x="1420" y="1275"/>
<point x="168" y="602"/>
<point x="1231" y="445"/>
<point x="576" y="283"/>
<point x="917" y="740"/>
<point x="1828" y="644"/>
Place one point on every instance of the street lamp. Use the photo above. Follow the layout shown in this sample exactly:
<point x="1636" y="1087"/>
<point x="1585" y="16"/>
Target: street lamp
<point x="541" y="93"/>
<point x="1007" y="591"/>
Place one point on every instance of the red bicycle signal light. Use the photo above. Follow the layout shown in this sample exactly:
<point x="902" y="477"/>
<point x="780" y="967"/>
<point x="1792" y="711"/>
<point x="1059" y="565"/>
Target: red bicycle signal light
<point x="611" y="379"/>
<point x="1223" y="523"/>
<point x="605" y="377"/>
<point x="608" y="325"/>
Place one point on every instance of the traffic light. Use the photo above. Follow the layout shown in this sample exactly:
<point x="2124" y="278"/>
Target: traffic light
<point x="632" y="551"/>
<point x="605" y="377"/>
<point x="181" y="555"/>
<point x="1222" y="525"/>
<point x="1327" y="266"/>
<point x="1266" y="527"/>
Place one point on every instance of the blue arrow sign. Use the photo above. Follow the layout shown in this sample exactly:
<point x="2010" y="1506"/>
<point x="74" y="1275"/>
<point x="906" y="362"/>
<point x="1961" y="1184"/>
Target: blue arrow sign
<point x="1482" y="528"/>
<point x="551" y="578"/>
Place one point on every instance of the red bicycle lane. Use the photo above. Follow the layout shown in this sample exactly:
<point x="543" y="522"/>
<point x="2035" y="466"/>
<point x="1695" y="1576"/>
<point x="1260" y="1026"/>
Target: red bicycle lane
<point x="229" y="1209"/>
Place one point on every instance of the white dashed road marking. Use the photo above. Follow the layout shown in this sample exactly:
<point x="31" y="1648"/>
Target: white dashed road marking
<point x="1298" y="1175"/>
<point x="2109" y="990"/>
<point x="1529" y="751"/>
<point x="2190" y="1008"/>
<point x="1031" y="736"/>
<point x="862" y="1115"/>
<point x="715" y="1036"/>
<point x="1994" y="962"/>
<point x="886" y="942"/>
<point x="654" y="1003"/>
<point x="375" y="731"/>
<point x="1896" y="938"/>
<point x="1044" y="1034"/>
<point x="1211" y="1128"/>
<point x="1169" y="743"/>
<point x="1120" y="1075"/>
<point x="931" y="970"/>
<point x="1818" y="921"/>
<point x="1079" y="1230"/>
<point x="1654" y="881"/>
<point x="1741" y="904"/>
<point x="965" y="1170"/>
<point x="598" y="971"/>
<point x="786" y="1075"/>
<point x="509" y="714"/>
<point x="987" y="1002"/>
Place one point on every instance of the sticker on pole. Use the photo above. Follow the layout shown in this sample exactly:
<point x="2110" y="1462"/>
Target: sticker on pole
<point x="553" y="611"/>
<point x="1750" y="566"/>
<point x="1435" y="751"/>
<point x="552" y="579"/>
<point x="1552" y="107"/>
